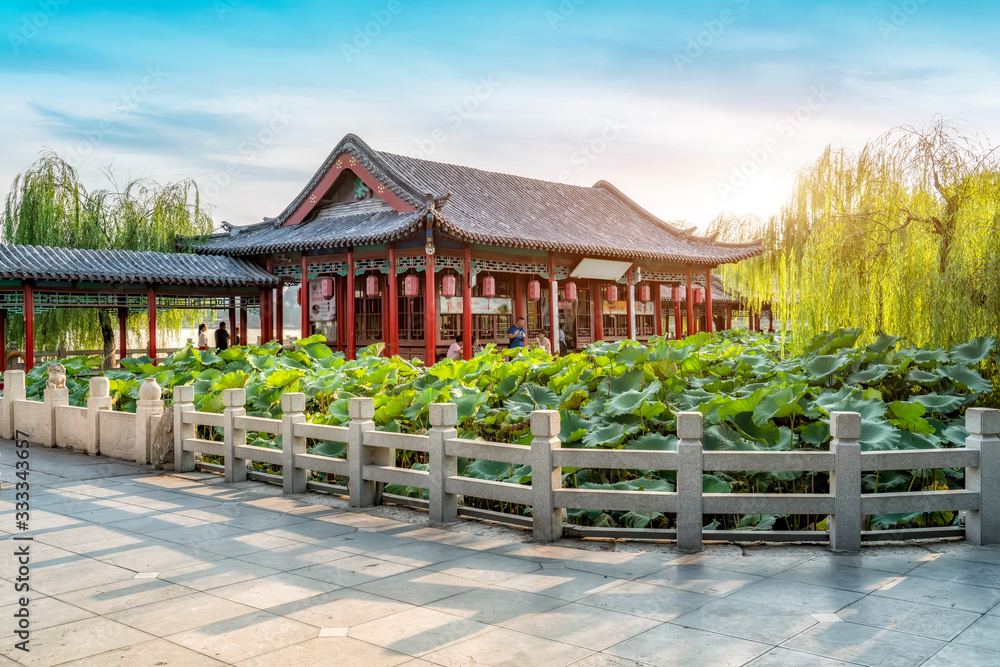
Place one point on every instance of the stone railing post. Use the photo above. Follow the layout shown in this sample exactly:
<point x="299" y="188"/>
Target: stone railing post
<point x="99" y="399"/>
<point x="546" y="477"/>
<point x="443" y="506"/>
<point x="232" y="437"/>
<point x="361" y="412"/>
<point x="293" y="407"/>
<point x="13" y="390"/>
<point x="54" y="398"/>
<point x="149" y="405"/>
<point x="183" y="402"/>
<point x="845" y="482"/>
<point x="690" y="482"/>
<point x="982" y="526"/>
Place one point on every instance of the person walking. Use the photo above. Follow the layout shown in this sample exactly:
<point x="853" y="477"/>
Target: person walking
<point x="202" y="336"/>
<point x="221" y="338"/>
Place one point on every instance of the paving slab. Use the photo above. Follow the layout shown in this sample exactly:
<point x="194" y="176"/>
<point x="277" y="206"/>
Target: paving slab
<point x="134" y="566"/>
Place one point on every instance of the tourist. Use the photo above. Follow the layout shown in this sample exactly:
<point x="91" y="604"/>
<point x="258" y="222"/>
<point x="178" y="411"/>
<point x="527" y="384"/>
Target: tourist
<point x="516" y="334"/>
<point x="455" y="351"/>
<point x="477" y="346"/>
<point x="221" y="338"/>
<point x="202" y="336"/>
<point x="543" y="342"/>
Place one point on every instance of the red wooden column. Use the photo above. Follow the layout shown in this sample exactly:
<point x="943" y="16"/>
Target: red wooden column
<point x="519" y="306"/>
<point x="709" y="324"/>
<point x="678" y="323"/>
<point x="304" y="296"/>
<point x="29" y="326"/>
<point x="690" y="302"/>
<point x="392" y="287"/>
<point x="122" y="334"/>
<point x="553" y="307"/>
<point x="597" y="303"/>
<point x="244" y="324"/>
<point x="729" y="318"/>
<point x="658" y="307"/>
<point x="630" y="306"/>
<point x="430" y="313"/>
<point x="467" y="305"/>
<point x="350" y="330"/>
<point x="279" y="313"/>
<point x="233" y="324"/>
<point x="151" y="309"/>
<point x="3" y="340"/>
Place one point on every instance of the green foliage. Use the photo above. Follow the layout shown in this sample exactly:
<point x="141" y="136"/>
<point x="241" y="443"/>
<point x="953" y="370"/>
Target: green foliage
<point x="620" y="395"/>
<point x="48" y="205"/>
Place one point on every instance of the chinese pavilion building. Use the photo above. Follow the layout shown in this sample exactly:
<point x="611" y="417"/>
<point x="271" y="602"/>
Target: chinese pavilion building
<point x="413" y="253"/>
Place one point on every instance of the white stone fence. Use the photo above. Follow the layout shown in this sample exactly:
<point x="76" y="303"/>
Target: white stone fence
<point x="370" y="462"/>
<point x="95" y="429"/>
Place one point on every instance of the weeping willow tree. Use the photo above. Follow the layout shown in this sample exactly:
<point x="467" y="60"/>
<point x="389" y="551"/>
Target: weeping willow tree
<point x="901" y="237"/>
<point x="48" y="205"/>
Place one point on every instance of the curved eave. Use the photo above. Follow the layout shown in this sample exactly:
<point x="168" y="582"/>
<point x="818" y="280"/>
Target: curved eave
<point x="744" y="251"/>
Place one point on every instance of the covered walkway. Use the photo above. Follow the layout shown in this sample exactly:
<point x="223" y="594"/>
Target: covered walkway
<point x="134" y="567"/>
<point x="36" y="279"/>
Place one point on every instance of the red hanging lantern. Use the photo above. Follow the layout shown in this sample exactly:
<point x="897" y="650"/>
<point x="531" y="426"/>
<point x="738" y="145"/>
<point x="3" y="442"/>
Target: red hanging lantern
<point x="326" y="288"/>
<point x="571" y="291"/>
<point x="611" y="294"/>
<point x="699" y="294"/>
<point x="534" y="290"/>
<point x="448" y="285"/>
<point x="489" y="287"/>
<point x="411" y="286"/>
<point x="371" y="285"/>
<point x="645" y="294"/>
<point x="677" y="294"/>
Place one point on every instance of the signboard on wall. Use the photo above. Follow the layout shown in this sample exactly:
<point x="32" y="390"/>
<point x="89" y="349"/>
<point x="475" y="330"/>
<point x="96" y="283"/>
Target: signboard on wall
<point x="320" y="309"/>
<point x="620" y="308"/>
<point x="481" y="305"/>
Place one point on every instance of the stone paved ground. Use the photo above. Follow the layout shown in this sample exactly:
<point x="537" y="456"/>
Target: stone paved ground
<point x="132" y="567"/>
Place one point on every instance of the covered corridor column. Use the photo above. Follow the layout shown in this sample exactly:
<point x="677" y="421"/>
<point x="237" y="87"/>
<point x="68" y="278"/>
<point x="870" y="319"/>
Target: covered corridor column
<point x="349" y="296"/>
<point x="657" y="289"/>
<point x="630" y="304"/>
<point x="151" y="309"/>
<point x="392" y="287"/>
<point x="553" y="306"/>
<point x="29" y="326"/>
<point x="304" y="296"/>
<point x="690" y="302"/>
<point x="467" y="305"/>
<point x="709" y="324"/>
<point x="430" y="313"/>
<point x="122" y="334"/>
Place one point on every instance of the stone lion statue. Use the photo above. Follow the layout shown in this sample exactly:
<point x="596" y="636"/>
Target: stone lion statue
<point x="57" y="377"/>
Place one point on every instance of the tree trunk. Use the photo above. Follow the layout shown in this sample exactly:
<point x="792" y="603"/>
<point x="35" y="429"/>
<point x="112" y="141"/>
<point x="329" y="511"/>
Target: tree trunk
<point x="108" y="334"/>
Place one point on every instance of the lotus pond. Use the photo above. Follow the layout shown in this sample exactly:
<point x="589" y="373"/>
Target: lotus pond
<point x="617" y="395"/>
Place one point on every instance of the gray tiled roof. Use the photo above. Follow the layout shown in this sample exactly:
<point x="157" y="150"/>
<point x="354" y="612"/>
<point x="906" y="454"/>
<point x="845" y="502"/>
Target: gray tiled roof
<point x="493" y="209"/>
<point x="126" y="266"/>
<point x="329" y="232"/>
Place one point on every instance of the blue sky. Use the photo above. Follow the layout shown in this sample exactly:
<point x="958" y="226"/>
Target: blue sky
<point x="691" y="108"/>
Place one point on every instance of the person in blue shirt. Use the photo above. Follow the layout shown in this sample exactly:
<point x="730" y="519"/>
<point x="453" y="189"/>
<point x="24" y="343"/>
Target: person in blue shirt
<point x="516" y="334"/>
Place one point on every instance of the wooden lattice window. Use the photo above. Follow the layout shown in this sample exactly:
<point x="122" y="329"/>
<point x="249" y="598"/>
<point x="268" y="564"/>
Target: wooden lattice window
<point x="368" y="311"/>
<point x="411" y="314"/>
